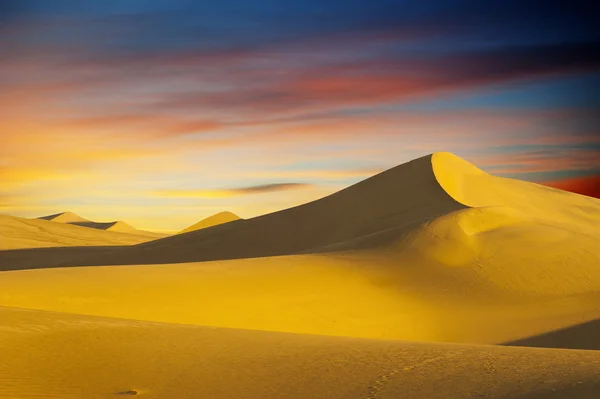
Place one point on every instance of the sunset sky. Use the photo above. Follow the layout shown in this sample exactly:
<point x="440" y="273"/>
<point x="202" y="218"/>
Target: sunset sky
<point x="163" y="112"/>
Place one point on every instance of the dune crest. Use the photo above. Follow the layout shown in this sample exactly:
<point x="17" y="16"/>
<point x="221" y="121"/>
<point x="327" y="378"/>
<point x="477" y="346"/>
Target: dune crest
<point x="214" y="220"/>
<point x="475" y="188"/>
<point x="65" y="217"/>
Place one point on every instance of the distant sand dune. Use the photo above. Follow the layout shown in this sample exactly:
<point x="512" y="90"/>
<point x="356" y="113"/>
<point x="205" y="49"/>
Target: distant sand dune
<point x="56" y="356"/>
<point x="122" y="227"/>
<point x="65" y="217"/>
<point x="36" y="233"/>
<point x="214" y="220"/>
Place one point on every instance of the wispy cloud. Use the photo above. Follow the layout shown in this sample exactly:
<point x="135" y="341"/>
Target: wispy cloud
<point x="232" y="192"/>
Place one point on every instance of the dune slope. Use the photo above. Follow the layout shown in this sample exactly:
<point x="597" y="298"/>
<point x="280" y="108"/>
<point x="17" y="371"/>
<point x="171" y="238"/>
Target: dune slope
<point x="118" y="226"/>
<point x="18" y="232"/>
<point x="376" y="212"/>
<point x="214" y="220"/>
<point x="494" y="272"/>
<point x="428" y="290"/>
<point x="51" y="355"/>
<point x="399" y="199"/>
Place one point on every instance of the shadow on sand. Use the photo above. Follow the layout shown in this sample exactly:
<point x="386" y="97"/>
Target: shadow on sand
<point x="43" y="258"/>
<point x="580" y="336"/>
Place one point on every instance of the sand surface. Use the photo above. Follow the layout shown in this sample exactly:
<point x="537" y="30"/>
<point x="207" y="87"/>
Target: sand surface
<point x="53" y="355"/>
<point x="321" y="300"/>
<point x="118" y="226"/>
<point x="18" y="233"/>
<point x="214" y="220"/>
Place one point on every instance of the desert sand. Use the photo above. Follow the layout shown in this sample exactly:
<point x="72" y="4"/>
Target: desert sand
<point x="214" y="220"/>
<point x="118" y="226"/>
<point x="394" y="287"/>
<point x="54" y="355"/>
<point x="17" y="233"/>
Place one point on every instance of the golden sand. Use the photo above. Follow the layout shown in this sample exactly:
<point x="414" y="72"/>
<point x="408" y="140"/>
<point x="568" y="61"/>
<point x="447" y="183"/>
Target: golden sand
<point x="58" y="356"/>
<point x="434" y="250"/>
<point x="118" y="226"/>
<point x="214" y="220"/>
<point x="18" y="232"/>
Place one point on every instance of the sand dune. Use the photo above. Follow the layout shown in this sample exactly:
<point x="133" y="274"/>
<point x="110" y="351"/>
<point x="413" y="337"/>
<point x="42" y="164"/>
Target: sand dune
<point x="51" y="355"/>
<point x="214" y="220"/>
<point x="118" y="226"/>
<point x="434" y="250"/>
<point x="398" y="199"/>
<point x="65" y="217"/>
<point x="500" y="269"/>
<point x="18" y="232"/>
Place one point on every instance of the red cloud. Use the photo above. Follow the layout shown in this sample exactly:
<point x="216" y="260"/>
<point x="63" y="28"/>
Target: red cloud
<point x="588" y="185"/>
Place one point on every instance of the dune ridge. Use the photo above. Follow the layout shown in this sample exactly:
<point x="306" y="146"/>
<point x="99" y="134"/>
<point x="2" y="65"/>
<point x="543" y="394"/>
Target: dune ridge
<point x="65" y="217"/>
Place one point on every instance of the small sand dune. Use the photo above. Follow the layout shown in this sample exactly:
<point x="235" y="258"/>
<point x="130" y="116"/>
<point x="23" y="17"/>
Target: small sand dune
<point x="18" y="232"/>
<point x="118" y="226"/>
<point x="57" y="356"/>
<point x="214" y="220"/>
<point x="65" y="217"/>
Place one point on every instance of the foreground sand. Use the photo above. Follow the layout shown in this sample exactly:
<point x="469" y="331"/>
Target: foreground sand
<point x="52" y="355"/>
<point x="357" y="295"/>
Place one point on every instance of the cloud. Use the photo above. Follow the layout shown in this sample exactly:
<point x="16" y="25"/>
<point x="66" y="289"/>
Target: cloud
<point x="587" y="185"/>
<point x="232" y="192"/>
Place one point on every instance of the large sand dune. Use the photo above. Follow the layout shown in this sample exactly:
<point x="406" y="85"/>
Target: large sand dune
<point x="380" y="210"/>
<point x="18" y="232"/>
<point x="51" y="355"/>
